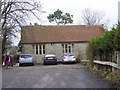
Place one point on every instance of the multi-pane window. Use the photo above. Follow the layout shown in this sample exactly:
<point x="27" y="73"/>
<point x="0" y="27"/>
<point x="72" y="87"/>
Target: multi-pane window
<point x="68" y="48"/>
<point x="43" y="49"/>
<point x="39" y="49"/>
<point x="36" y="49"/>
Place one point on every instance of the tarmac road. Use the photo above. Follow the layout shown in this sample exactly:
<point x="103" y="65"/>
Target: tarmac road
<point x="51" y="76"/>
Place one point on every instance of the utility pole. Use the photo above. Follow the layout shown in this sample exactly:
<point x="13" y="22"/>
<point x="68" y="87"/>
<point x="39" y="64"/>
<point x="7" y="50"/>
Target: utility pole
<point x="0" y="32"/>
<point x="118" y="52"/>
<point x="119" y="11"/>
<point x="0" y="50"/>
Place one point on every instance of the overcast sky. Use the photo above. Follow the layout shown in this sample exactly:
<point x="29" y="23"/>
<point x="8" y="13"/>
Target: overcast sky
<point x="75" y="7"/>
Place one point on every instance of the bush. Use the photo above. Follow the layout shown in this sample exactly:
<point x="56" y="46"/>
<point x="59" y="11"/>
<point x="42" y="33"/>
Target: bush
<point x="108" y="42"/>
<point x="15" y="58"/>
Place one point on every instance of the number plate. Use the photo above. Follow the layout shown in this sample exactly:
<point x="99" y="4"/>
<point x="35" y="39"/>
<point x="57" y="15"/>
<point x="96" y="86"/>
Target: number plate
<point x="50" y="58"/>
<point x="25" y="58"/>
<point x="69" y="60"/>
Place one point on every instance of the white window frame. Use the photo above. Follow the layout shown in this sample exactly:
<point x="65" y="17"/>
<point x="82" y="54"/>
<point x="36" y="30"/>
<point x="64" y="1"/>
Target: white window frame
<point x="42" y="49"/>
<point x="71" y="48"/>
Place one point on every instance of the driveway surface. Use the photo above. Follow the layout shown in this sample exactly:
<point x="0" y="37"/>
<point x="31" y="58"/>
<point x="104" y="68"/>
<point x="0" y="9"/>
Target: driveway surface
<point x="51" y="76"/>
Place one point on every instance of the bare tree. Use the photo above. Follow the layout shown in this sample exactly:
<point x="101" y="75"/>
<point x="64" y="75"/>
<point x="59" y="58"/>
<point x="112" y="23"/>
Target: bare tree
<point x="92" y="17"/>
<point x="17" y="13"/>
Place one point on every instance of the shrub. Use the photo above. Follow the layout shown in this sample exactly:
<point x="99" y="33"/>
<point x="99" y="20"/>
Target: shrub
<point x="15" y="58"/>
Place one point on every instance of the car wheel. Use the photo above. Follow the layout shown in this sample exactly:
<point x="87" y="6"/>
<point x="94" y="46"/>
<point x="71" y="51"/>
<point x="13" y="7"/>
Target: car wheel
<point x="20" y="64"/>
<point x="33" y="64"/>
<point x="74" y="62"/>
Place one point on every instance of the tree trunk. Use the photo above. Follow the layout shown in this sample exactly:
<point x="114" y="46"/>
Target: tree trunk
<point x="3" y="46"/>
<point x="4" y="43"/>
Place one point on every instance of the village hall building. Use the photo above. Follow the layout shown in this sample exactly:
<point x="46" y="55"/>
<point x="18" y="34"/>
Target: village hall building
<point x="40" y="40"/>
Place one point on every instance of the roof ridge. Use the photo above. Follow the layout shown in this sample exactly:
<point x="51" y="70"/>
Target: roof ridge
<point x="60" y="25"/>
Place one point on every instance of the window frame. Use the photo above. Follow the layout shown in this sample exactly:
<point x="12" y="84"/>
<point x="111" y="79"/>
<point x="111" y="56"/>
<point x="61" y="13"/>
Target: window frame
<point x="40" y="48"/>
<point x="68" y="48"/>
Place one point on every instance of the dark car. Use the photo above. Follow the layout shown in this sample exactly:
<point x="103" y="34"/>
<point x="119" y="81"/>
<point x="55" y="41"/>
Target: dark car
<point x="50" y="59"/>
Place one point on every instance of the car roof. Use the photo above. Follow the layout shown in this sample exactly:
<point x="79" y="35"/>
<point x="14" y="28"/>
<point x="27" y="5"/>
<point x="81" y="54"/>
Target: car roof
<point x="25" y="54"/>
<point x="68" y="53"/>
<point x="48" y="55"/>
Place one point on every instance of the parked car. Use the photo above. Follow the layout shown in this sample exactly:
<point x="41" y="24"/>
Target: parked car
<point x="26" y="59"/>
<point x="50" y="59"/>
<point x="69" y="58"/>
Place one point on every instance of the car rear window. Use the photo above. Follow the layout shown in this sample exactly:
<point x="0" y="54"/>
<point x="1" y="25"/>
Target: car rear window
<point x="68" y="54"/>
<point x="71" y="54"/>
<point x="25" y="56"/>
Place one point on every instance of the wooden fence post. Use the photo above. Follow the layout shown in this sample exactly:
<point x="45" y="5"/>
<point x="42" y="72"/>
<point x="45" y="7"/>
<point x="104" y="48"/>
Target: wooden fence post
<point x="118" y="58"/>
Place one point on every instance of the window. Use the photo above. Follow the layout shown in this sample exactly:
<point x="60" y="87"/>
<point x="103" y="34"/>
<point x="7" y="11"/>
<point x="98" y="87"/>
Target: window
<point x="68" y="48"/>
<point x="38" y="49"/>
<point x="43" y="49"/>
<point x="63" y="48"/>
<point x="72" y="47"/>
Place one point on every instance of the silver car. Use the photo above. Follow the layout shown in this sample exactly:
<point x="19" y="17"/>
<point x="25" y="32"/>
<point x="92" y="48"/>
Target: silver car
<point x="26" y="59"/>
<point x="69" y="58"/>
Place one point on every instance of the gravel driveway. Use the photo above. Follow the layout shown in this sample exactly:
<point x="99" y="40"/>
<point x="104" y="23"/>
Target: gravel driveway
<point x="51" y="76"/>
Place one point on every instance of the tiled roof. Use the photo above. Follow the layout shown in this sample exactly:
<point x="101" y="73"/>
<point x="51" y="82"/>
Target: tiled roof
<point x="69" y="33"/>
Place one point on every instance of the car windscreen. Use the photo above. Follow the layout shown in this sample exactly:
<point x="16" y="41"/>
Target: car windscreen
<point x="25" y="56"/>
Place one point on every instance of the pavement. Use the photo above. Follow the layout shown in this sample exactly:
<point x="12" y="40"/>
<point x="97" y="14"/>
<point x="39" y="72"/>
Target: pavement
<point x="51" y="76"/>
